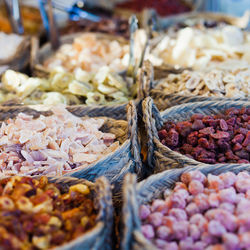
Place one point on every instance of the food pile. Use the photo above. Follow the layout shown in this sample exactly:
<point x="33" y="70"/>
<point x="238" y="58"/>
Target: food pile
<point x="229" y="80"/>
<point x="52" y="145"/>
<point x="222" y="138"/>
<point x="89" y="53"/>
<point x="200" y="213"/>
<point x="200" y="48"/>
<point x="100" y="88"/>
<point x="37" y="214"/>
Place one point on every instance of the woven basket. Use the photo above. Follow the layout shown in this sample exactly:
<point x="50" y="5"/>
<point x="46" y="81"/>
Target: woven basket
<point x="102" y="197"/>
<point x="113" y="166"/>
<point x="160" y="157"/>
<point x="163" y="100"/>
<point x="21" y="59"/>
<point x="144" y="192"/>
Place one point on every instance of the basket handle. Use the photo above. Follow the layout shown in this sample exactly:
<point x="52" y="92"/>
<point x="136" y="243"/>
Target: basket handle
<point x="130" y="217"/>
<point x="146" y="80"/>
<point x="106" y="206"/>
<point x="153" y="121"/>
<point x="133" y="136"/>
<point x="34" y="52"/>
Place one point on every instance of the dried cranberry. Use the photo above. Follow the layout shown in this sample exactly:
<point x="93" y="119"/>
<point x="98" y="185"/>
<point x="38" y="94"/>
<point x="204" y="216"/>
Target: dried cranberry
<point x="231" y="121"/>
<point x="241" y="131"/>
<point x="197" y="125"/>
<point x="222" y="159"/>
<point x="223" y="145"/>
<point x="220" y="135"/>
<point x="243" y="154"/>
<point x="162" y="134"/>
<point x="246" y="142"/>
<point x="245" y="117"/>
<point x="231" y="156"/>
<point x="243" y="161"/>
<point x="192" y="138"/>
<point x="172" y="138"/>
<point x="197" y="117"/>
<point x="232" y="111"/>
<point x="223" y="125"/>
<point x="237" y="147"/>
<point x="196" y="151"/>
<point x="203" y="142"/>
<point x="187" y="148"/>
<point x="207" y="131"/>
<point x="184" y="128"/>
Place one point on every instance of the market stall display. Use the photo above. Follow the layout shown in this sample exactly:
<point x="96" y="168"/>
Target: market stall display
<point x="81" y="128"/>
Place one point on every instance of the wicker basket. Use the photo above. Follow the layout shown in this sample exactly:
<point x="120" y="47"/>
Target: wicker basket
<point x="240" y="22"/>
<point x="21" y="59"/>
<point x="144" y="192"/>
<point x="163" y="100"/>
<point x="102" y="197"/>
<point x="113" y="166"/>
<point x="160" y="157"/>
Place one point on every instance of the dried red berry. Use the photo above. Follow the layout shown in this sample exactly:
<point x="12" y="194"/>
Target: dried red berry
<point x="220" y="135"/>
<point x="223" y="125"/>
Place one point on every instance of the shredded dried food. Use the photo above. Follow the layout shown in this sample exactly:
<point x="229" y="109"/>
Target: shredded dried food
<point x="200" y="213"/>
<point x="229" y="79"/>
<point x="52" y="145"/>
<point x="222" y="138"/>
<point x="36" y="214"/>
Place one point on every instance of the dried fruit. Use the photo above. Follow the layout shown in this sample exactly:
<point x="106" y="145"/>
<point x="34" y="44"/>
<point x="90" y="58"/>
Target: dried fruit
<point x="217" y="216"/>
<point x="223" y="138"/>
<point x="45" y="218"/>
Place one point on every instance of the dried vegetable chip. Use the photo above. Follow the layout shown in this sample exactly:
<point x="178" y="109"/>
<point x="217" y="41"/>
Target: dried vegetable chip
<point x="229" y="79"/>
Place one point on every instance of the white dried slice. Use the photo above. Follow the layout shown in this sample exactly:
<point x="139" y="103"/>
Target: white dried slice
<point x="79" y="88"/>
<point x="182" y="43"/>
<point x="232" y="35"/>
<point x="213" y="80"/>
<point x="193" y="81"/>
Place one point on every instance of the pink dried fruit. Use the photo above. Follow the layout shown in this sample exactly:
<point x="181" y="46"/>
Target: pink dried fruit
<point x="246" y="142"/>
<point x="207" y="131"/>
<point x="220" y="135"/>
<point x="195" y="187"/>
<point x="148" y="231"/>
<point x="198" y="125"/>
<point x="238" y="138"/>
<point x="223" y="125"/>
<point x="218" y="217"/>
<point x="172" y="138"/>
